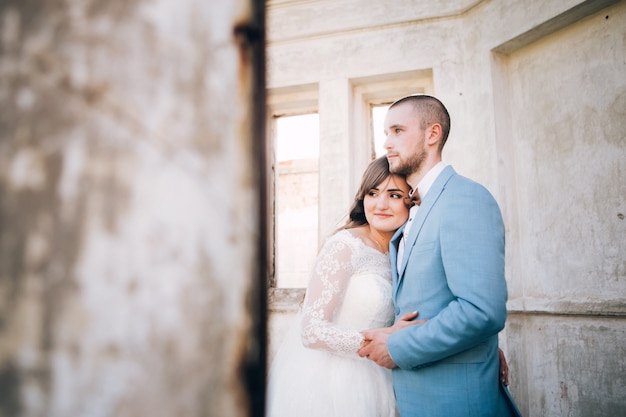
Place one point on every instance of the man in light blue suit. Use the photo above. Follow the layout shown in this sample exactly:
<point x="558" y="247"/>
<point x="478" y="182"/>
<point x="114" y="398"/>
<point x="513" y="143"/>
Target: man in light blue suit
<point x="448" y="264"/>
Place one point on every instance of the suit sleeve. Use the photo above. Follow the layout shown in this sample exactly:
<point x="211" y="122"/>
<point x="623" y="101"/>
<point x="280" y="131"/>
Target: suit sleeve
<point x="471" y="239"/>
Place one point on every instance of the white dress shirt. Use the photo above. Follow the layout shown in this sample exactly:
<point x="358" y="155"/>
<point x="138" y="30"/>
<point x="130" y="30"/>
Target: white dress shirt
<point x="422" y="188"/>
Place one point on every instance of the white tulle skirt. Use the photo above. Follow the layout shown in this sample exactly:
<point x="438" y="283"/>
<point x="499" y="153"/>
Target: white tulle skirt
<point x="312" y="383"/>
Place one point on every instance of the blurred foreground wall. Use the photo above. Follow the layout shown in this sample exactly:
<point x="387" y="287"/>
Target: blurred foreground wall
<point x="131" y="223"/>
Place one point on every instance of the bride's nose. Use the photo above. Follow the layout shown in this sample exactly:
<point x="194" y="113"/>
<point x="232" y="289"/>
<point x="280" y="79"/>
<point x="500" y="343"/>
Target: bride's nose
<point x="382" y="202"/>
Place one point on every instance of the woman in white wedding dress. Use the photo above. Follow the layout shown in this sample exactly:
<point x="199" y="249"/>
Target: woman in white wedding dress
<point x="317" y="371"/>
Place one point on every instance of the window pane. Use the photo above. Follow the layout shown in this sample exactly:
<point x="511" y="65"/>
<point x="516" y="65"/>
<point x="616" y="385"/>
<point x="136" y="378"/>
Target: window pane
<point x="378" y="124"/>
<point x="297" y="137"/>
<point x="297" y="153"/>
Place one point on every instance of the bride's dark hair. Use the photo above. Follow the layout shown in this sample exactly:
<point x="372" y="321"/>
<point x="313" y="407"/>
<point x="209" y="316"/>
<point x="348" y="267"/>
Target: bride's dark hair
<point x="377" y="171"/>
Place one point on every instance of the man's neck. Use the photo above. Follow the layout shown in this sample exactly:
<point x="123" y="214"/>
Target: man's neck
<point x="414" y="179"/>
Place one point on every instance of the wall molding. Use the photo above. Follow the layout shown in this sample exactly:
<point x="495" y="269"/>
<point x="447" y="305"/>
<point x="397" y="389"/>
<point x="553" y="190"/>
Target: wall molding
<point x="540" y="306"/>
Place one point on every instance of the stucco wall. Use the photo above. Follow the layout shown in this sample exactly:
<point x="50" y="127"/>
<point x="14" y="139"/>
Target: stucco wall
<point x="537" y="95"/>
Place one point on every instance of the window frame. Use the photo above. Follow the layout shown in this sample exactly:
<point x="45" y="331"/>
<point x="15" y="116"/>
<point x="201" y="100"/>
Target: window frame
<point x="283" y="102"/>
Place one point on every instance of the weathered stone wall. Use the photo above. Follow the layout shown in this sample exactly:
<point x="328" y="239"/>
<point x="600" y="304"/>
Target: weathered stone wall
<point x="537" y="94"/>
<point x="131" y="272"/>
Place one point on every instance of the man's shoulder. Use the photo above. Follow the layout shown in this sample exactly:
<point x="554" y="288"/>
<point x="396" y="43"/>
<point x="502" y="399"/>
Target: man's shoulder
<point x="460" y="190"/>
<point x="457" y="180"/>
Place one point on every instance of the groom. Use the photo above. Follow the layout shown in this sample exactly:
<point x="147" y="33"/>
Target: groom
<point x="448" y="264"/>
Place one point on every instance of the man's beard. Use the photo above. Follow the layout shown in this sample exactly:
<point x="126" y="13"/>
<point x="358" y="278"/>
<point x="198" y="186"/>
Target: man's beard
<point x="409" y="166"/>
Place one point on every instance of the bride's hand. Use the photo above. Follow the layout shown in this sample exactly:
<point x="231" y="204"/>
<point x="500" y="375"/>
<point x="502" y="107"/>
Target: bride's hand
<point x="406" y="320"/>
<point x="504" y="368"/>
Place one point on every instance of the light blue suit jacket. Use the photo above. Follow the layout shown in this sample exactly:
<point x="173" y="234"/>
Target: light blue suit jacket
<point x="453" y="274"/>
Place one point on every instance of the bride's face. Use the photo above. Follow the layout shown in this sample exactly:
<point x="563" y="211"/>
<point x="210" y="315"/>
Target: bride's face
<point x="385" y="205"/>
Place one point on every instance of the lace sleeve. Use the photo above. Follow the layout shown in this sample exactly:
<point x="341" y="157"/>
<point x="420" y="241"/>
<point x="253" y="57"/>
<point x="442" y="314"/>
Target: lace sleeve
<point x="327" y="286"/>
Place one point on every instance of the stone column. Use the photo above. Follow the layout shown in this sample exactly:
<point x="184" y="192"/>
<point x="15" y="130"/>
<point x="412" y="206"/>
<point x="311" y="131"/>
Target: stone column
<point x="334" y="109"/>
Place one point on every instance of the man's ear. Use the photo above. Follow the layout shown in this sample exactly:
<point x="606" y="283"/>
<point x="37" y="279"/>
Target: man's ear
<point x="434" y="134"/>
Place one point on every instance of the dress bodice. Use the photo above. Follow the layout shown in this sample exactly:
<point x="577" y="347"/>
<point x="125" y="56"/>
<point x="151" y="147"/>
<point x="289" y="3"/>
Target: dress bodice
<point x="349" y="291"/>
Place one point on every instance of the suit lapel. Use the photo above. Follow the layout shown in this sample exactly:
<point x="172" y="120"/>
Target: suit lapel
<point x="422" y="213"/>
<point x="393" y="255"/>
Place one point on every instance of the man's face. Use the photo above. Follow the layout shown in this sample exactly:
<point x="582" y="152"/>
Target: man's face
<point x="406" y="139"/>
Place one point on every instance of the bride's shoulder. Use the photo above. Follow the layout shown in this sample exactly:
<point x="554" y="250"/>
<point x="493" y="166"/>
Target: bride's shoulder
<point x="348" y="237"/>
<point x="353" y="237"/>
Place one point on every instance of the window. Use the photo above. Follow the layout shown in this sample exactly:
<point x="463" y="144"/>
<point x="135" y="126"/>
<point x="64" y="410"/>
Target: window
<point x="297" y="154"/>
<point x="378" y="128"/>
<point x="293" y="139"/>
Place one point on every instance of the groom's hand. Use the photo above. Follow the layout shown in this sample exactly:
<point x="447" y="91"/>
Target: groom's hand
<point x="374" y="347"/>
<point x="408" y="319"/>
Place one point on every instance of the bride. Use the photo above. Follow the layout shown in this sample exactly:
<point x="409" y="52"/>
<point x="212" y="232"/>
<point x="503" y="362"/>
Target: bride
<point x="317" y="371"/>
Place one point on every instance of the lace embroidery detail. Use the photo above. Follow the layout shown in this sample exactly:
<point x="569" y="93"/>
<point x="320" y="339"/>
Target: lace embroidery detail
<point x="342" y="257"/>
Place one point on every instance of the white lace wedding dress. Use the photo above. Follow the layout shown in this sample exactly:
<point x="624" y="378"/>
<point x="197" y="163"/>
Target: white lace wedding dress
<point x="317" y="372"/>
